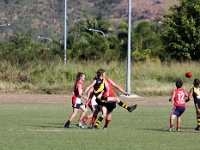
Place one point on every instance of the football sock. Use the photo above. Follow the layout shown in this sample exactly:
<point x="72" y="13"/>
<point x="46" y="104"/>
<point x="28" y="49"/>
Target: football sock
<point x="123" y="105"/>
<point x="67" y="123"/>
<point x="178" y="127"/>
<point x="98" y="122"/>
<point x="198" y="121"/>
<point x="106" y="123"/>
<point x="86" y="117"/>
<point x="80" y="121"/>
<point x="93" y="120"/>
<point x="171" y="125"/>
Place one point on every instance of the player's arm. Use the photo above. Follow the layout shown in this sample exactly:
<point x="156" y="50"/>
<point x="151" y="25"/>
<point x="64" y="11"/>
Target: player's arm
<point x="89" y="95"/>
<point x="187" y="99"/>
<point x="106" y="88"/>
<point x="80" y="91"/>
<point x="190" y="94"/>
<point x="89" y="87"/>
<point x="118" y="88"/>
<point x="172" y="98"/>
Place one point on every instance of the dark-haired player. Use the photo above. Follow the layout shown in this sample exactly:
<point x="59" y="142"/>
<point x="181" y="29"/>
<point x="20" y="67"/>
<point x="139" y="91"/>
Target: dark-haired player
<point x="110" y="106"/>
<point x="178" y="98"/>
<point x="195" y="94"/>
<point x="100" y="87"/>
<point x="77" y="101"/>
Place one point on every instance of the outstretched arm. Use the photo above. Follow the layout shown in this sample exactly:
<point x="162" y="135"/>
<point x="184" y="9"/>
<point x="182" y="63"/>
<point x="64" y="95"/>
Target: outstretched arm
<point x="119" y="88"/>
<point x="89" y="87"/>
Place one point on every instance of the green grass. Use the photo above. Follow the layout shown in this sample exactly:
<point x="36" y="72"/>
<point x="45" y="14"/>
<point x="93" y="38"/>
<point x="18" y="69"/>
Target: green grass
<point x="31" y="126"/>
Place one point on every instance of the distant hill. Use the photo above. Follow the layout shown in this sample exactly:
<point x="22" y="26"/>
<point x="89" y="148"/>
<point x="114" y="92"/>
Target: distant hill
<point x="46" y="17"/>
<point x="144" y="9"/>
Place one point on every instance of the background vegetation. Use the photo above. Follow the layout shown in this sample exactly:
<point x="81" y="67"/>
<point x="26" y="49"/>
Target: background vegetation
<point x="47" y="16"/>
<point x="162" y="50"/>
<point x="147" y="79"/>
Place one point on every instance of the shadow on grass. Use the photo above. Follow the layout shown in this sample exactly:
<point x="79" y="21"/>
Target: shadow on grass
<point x="53" y="125"/>
<point x="151" y="129"/>
<point x="184" y="129"/>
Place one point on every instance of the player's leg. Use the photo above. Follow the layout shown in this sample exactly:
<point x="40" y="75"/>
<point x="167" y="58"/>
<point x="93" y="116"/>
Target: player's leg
<point x="92" y="105"/>
<point x="179" y="112"/>
<point x="85" y="118"/>
<point x="116" y="99"/>
<point x="98" y="109"/>
<point x="178" y="127"/>
<point x="94" y="117"/>
<point x="122" y="104"/>
<point x="75" y="111"/>
<point x="104" y="113"/>
<point x="197" y="106"/>
<point x="110" y="107"/>
<point x="108" y="119"/>
<point x="171" y="120"/>
<point x="198" y="122"/>
<point x="84" y="111"/>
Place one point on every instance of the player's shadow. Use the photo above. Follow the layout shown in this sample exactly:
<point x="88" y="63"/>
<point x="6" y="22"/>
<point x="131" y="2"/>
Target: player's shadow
<point x="48" y="125"/>
<point x="151" y="129"/>
<point x="52" y="125"/>
<point x="183" y="129"/>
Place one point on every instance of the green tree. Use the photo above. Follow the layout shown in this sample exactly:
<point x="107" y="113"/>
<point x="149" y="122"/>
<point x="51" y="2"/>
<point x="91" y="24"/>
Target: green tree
<point x="146" y="41"/>
<point x="181" y="36"/>
<point x="22" y="49"/>
<point x="86" y="44"/>
<point x="122" y="35"/>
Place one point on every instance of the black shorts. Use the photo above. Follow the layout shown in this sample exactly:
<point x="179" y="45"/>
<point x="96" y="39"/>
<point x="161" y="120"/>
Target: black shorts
<point x="111" y="106"/>
<point x="197" y="105"/>
<point x="101" y="101"/>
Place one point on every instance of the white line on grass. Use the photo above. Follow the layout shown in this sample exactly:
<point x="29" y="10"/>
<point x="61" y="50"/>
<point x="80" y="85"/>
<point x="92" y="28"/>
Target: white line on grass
<point x="46" y="130"/>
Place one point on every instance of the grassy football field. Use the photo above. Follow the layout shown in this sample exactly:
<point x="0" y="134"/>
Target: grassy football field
<point x="39" y="126"/>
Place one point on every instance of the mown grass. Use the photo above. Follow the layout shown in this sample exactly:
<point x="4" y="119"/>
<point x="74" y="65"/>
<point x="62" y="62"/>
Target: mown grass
<point x="35" y="126"/>
<point x="147" y="78"/>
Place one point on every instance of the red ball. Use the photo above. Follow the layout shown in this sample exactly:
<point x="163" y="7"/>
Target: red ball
<point x="188" y="74"/>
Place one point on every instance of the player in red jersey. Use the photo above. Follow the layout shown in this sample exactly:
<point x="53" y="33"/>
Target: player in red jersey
<point x="77" y="101"/>
<point x="179" y="99"/>
<point x="111" y="106"/>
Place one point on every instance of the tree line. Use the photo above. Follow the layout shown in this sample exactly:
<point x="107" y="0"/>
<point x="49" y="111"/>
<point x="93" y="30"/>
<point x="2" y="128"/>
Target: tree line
<point x="177" y="37"/>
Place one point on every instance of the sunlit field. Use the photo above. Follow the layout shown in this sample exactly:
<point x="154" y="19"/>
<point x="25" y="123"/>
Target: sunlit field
<point x="39" y="126"/>
<point x="29" y="125"/>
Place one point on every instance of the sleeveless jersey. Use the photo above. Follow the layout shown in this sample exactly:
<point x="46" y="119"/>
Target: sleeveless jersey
<point x="196" y="95"/>
<point x="111" y="92"/>
<point x="99" y="86"/>
<point x="76" y="98"/>
<point x="180" y="95"/>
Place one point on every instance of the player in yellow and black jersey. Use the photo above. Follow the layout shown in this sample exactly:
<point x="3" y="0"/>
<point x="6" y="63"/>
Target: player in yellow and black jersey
<point x="100" y="86"/>
<point x="195" y="94"/>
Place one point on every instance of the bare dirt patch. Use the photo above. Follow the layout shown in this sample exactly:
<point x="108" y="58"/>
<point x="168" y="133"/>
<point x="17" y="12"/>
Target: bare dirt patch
<point x="34" y="98"/>
<point x="51" y="98"/>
